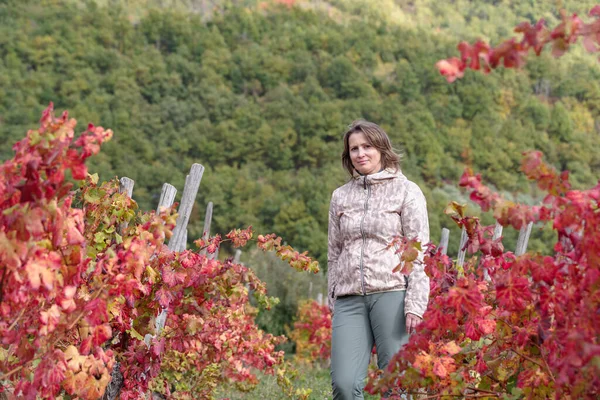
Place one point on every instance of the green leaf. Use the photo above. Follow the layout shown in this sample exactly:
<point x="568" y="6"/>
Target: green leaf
<point x="91" y="267"/>
<point x="485" y="383"/>
<point x="517" y="392"/>
<point x="512" y="381"/>
<point x="35" y="138"/>
<point x="12" y="209"/>
<point x="100" y="237"/>
<point x="94" y="195"/>
<point x="46" y="244"/>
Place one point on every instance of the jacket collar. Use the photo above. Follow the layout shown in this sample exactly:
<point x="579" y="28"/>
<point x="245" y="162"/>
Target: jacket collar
<point x="378" y="177"/>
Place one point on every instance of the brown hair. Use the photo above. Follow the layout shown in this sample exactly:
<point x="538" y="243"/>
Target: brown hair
<point x="377" y="138"/>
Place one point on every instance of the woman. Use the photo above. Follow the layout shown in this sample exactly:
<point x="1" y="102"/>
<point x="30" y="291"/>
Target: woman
<point x="370" y="303"/>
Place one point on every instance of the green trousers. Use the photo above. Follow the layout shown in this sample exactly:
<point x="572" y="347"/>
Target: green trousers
<point x="358" y="323"/>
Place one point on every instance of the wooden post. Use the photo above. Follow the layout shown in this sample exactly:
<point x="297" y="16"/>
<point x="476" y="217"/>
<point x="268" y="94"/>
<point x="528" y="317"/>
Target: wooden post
<point x="497" y="231"/>
<point x="167" y="197"/>
<point x="116" y="383"/>
<point x="523" y="239"/>
<point x="444" y="241"/>
<point x="461" y="252"/>
<point x="320" y="299"/>
<point x="188" y="198"/>
<point x="207" y="222"/>
<point x="183" y="242"/>
<point x="179" y="238"/>
<point x="159" y="323"/>
<point x="237" y="256"/>
<point x="125" y="186"/>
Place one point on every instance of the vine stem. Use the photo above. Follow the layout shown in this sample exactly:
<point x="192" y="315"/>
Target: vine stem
<point x="480" y="394"/>
<point x="503" y="321"/>
<point x="2" y="283"/>
<point x="483" y="391"/>
<point x="532" y="361"/>
<point x="12" y="372"/>
<point x="222" y="241"/>
<point x="467" y="396"/>
<point x="18" y="318"/>
<point x="82" y="313"/>
<point x="545" y="366"/>
<point x="545" y="362"/>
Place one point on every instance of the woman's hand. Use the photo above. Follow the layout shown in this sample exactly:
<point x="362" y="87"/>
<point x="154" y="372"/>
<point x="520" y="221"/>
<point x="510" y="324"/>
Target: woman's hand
<point x="412" y="321"/>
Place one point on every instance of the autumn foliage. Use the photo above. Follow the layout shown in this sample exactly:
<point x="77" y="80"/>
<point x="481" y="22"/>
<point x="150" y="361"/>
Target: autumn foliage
<point x="530" y="329"/>
<point x="312" y="332"/>
<point x="511" y="53"/>
<point x="83" y="287"/>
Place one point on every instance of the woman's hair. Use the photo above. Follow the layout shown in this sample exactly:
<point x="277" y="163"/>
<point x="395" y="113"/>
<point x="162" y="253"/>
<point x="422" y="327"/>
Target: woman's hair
<point x="377" y="138"/>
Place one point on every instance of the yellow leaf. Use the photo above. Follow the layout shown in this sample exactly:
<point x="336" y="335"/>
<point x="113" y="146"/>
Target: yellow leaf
<point x="455" y="210"/>
<point x="152" y="274"/>
<point x="135" y="334"/>
<point x="502" y="374"/>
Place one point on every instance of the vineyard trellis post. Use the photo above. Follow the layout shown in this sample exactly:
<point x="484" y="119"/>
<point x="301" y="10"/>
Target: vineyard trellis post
<point x="188" y="198"/>
<point x="521" y="247"/>
<point x="207" y="223"/>
<point x="177" y="242"/>
<point x="167" y="197"/>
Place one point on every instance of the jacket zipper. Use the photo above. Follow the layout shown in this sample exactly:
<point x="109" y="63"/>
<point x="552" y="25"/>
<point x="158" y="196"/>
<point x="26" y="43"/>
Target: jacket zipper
<point x="362" y="232"/>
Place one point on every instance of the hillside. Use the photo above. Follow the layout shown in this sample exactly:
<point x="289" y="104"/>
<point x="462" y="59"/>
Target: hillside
<point x="260" y="93"/>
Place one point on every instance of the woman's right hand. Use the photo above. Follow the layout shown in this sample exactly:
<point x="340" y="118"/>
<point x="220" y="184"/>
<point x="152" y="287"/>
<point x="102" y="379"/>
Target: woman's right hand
<point x="412" y="321"/>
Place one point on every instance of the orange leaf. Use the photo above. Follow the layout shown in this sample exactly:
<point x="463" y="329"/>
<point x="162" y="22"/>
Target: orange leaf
<point x="439" y="369"/>
<point x="451" y="348"/>
<point x="452" y="68"/>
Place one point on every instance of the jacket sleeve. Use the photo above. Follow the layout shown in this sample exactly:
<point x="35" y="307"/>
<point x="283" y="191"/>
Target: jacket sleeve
<point x="415" y="224"/>
<point x="333" y="251"/>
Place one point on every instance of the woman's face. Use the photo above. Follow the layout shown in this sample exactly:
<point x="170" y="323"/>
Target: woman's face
<point x="365" y="158"/>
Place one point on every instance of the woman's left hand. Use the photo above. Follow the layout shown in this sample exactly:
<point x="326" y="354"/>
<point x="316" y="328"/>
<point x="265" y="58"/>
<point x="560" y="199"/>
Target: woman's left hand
<point x="412" y="321"/>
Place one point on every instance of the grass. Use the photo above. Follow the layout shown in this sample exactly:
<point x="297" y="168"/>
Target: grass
<point x="309" y="377"/>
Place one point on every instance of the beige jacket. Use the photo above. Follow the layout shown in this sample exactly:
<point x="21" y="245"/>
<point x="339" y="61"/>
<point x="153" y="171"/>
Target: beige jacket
<point x="364" y="216"/>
